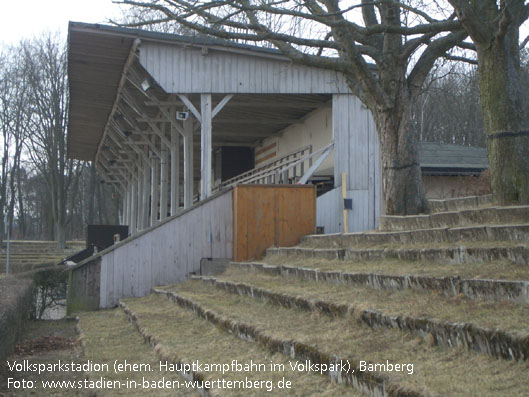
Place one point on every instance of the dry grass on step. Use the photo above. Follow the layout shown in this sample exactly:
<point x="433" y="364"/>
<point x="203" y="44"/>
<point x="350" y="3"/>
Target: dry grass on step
<point x="418" y="246"/>
<point x="108" y="336"/>
<point x="188" y="337"/>
<point x="451" y="372"/>
<point x="497" y="270"/>
<point x="502" y="315"/>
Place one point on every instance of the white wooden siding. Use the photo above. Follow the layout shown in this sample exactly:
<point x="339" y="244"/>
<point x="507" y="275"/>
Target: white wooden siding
<point x="356" y="142"/>
<point x="329" y="211"/>
<point x="357" y="153"/>
<point x="186" y="69"/>
<point x="168" y="253"/>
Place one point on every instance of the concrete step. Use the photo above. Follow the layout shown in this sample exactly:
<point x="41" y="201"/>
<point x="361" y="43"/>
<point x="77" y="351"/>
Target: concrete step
<point x="323" y="338"/>
<point x="491" y="341"/>
<point x="459" y="203"/>
<point x="479" y="216"/>
<point x="516" y="291"/>
<point x="514" y="253"/>
<point x="496" y="270"/>
<point x="107" y="337"/>
<point x="424" y="236"/>
<point x="180" y="337"/>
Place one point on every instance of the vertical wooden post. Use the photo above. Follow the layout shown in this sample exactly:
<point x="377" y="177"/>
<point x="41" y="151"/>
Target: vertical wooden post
<point x="188" y="163"/>
<point x="141" y="188"/>
<point x="175" y="170"/>
<point x="205" y="146"/>
<point x="155" y="184"/>
<point x="344" y="195"/>
<point x="146" y="192"/>
<point x="129" y="204"/>
<point x="125" y="218"/>
<point x="134" y="206"/>
<point x="164" y="179"/>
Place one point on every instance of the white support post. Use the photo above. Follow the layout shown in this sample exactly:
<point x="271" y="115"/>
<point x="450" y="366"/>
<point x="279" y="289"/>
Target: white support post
<point x="129" y="204"/>
<point x="139" y="196"/>
<point x="134" y="206"/>
<point x="155" y="184"/>
<point x="205" y="146"/>
<point x="188" y="163"/>
<point x="146" y="193"/>
<point x="164" y="181"/>
<point x="125" y="219"/>
<point x="164" y="177"/>
<point x="175" y="170"/>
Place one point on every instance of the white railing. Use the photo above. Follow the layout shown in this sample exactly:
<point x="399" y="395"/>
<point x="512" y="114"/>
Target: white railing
<point x="267" y="173"/>
<point x="288" y="169"/>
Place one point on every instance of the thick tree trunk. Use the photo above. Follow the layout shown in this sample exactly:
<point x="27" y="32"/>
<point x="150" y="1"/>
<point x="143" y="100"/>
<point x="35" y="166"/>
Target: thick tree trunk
<point x="402" y="187"/>
<point x="506" y="116"/>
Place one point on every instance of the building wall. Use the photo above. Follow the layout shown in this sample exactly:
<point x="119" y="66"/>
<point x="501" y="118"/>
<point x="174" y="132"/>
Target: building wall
<point x="196" y="69"/>
<point x="168" y="252"/>
<point x="356" y="152"/>
<point x="442" y="187"/>
<point x="315" y="130"/>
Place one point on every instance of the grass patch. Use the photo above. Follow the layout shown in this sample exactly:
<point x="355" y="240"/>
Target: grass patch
<point x="439" y="371"/>
<point x="497" y="270"/>
<point x="108" y="336"/>
<point x="502" y="315"/>
<point x="191" y="338"/>
<point x="39" y="331"/>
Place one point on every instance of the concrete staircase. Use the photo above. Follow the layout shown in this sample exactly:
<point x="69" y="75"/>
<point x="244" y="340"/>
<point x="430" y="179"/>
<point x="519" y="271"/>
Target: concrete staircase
<point x="427" y="305"/>
<point x="25" y="255"/>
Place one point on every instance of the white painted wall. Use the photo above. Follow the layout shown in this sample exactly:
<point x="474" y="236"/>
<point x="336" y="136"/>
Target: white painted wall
<point x="315" y="129"/>
<point x="184" y="68"/>
<point x="168" y="252"/>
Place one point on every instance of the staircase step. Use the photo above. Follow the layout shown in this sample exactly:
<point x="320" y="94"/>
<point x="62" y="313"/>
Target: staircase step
<point x="459" y="203"/>
<point x="180" y="337"/>
<point x="479" y="270"/>
<point x="107" y="336"/>
<point x="516" y="291"/>
<point x="494" y="328"/>
<point x="479" y="216"/>
<point x="439" y="235"/>
<point x="515" y="253"/>
<point x="436" y="371"/>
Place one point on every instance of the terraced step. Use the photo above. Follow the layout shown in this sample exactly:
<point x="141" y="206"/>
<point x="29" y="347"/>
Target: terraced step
<point x="479" y="216"/>
<point x="440" y="235"/>
<point x="179" y="337"/>
<point x="468" y="253"/>
<point x="108" y="337"/>
<point x="497" y="329"/>
<point x="516" y="291"/>
<point x="459" y="203"/>
<point x="436" y="371"/>
<point x="25" y="255"/>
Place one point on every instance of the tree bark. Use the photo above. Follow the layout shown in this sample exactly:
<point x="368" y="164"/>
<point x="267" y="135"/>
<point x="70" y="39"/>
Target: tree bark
<point x="402" y="187"/>
<point x="506" y="116"/>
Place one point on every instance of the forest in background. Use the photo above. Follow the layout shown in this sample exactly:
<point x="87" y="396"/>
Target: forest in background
<point x="44" y="195"/>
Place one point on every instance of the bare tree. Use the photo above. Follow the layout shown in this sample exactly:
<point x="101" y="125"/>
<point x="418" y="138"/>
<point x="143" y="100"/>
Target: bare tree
<point x="495" y="28"/>
<point x="403" y="42"/>
<point x="448" y="109"/>
<point x="45" y="61"/>
<point x="13" y="124"/>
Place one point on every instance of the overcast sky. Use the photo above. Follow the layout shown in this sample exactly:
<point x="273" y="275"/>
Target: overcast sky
<point x="27" y="18"/>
